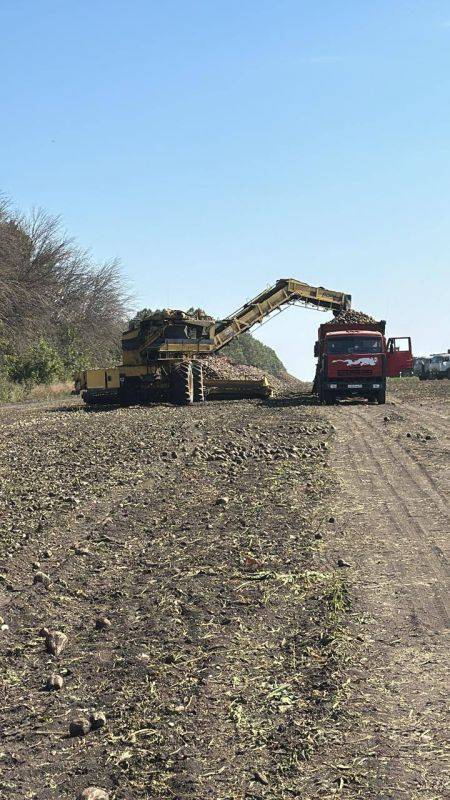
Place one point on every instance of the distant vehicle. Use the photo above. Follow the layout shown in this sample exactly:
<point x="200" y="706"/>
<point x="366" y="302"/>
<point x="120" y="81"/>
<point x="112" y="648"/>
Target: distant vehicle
<point x="438" y="367"/>
<point x="420" y="367"/>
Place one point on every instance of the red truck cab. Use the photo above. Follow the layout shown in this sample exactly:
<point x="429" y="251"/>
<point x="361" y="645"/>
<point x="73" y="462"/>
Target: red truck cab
<point x="354" y="361"/>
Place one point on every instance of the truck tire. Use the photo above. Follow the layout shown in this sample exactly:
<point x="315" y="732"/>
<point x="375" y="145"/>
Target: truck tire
<point x="381" y="397"/>
<point x="319" y="388"/>
<point x="199" y="387"/>
<point x="182" y="385"/>
<point x="329" y="399"/>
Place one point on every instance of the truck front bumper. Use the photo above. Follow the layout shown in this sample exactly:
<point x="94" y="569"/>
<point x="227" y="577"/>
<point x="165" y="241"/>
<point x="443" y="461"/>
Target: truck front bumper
<point x="361" y="386"/>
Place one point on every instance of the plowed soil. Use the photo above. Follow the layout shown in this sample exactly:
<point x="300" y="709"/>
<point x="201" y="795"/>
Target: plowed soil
<point x="253" y="592"/>
<point x="394" y="513"/>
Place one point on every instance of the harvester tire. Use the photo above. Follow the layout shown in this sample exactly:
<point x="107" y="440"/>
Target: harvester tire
<point x="199" y="387"/>
<point x="182" y="385"/>
<point x="381" y="397"/>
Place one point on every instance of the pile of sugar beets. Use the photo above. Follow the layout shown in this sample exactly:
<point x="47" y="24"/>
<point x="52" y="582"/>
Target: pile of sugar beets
<point x="352" y="316"/>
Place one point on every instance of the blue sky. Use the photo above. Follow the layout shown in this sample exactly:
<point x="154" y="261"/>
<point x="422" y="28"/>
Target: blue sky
<point x="216" y="146"/>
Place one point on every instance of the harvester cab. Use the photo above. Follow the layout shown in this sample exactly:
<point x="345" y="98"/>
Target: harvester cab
<point x="166" y="334"/>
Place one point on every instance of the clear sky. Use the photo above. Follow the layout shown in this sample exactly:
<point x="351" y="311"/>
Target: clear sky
<point x="216" y="146"/>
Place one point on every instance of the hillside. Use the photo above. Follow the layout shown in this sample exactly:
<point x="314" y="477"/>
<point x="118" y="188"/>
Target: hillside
<point x="247" y="350"/>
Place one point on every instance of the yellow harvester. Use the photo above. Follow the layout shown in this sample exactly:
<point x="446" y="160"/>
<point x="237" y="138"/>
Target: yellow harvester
<point x="162" y="353"/>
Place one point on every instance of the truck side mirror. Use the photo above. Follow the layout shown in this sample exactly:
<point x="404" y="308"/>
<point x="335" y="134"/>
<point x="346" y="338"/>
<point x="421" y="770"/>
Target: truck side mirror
<point x="316" y="350"/>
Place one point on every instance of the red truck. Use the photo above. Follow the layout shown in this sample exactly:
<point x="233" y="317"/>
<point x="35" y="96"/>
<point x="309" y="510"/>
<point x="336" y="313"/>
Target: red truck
<point x="354" y="360"/>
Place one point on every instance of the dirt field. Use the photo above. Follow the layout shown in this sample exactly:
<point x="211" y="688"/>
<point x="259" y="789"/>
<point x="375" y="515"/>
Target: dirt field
<point x="394" y="515"/>
<point x="191" y="557"/>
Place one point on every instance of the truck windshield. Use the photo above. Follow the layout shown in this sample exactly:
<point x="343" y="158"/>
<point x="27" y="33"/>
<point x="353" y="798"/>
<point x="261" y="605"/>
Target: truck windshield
<point x="354" y="344"/>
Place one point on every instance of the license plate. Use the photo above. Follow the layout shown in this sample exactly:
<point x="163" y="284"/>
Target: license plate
<point x="355" y="386"/>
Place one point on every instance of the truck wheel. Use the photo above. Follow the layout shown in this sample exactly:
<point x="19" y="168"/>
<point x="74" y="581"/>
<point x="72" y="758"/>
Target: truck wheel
<point x="329" y="399"/>
<point x="199" y="387"/>
<point x="320" y="391"/>
<point x="382" y="397"/>
<point x="182" y="385"/>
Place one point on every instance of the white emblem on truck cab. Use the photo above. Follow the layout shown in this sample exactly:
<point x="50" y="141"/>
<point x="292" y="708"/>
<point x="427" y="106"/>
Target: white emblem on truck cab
<point x="370" y="361"/>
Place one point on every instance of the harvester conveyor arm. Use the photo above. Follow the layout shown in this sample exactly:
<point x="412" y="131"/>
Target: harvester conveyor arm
<point x="284" y="292"/>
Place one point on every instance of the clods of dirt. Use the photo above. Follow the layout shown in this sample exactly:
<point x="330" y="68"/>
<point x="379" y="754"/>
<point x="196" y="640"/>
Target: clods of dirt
<point x="42" y="578"/>
<point x="102" y="623"/>
<point x="55" y="642"/>
<point x="93" y="793"/>
<point x="80" y="726"/>
<point x="54" y="682"/>
<point x="97" y="720"/>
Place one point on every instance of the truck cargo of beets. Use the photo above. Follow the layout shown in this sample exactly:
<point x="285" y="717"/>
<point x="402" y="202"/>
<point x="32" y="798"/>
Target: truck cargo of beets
<point x="354" y="360"/>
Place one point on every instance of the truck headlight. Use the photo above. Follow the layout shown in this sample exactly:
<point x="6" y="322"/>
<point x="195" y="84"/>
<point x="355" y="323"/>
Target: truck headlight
<point x="333" y="385"/>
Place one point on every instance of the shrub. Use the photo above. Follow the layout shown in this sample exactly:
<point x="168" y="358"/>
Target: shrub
<point x="41" y="363"/>
<point x="10" y="392"/>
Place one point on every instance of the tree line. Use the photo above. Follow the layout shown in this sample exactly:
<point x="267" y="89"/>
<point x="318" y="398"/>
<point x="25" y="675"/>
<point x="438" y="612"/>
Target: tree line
<point x="59" y="310"/>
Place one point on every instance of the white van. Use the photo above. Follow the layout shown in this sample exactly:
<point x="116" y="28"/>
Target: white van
<point x="439" y="366"/>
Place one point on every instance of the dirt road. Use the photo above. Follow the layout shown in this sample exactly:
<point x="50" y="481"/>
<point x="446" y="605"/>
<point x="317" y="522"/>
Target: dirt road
<point x="190" y="556"/>
<point x="394" y="524"/>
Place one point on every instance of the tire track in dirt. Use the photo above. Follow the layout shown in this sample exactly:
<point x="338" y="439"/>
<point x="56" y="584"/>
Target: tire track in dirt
<point x="394" y="519"/>
<point x="409" y="503"/>
<point x="389" y="512"/>
<point x="438" y="421"/>
<point x="398" y="480"/>
<point x="417" y="472"/>
<point x="429" y="416"/>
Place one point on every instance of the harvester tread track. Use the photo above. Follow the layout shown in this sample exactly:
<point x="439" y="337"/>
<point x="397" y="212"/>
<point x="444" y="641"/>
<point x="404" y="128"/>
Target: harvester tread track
<point x="199" y="385"/>
<point x="182" y="384"/>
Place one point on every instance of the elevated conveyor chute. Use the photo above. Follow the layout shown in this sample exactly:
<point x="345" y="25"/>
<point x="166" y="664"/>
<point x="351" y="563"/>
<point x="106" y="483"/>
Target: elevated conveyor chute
<point x="285" y="291"/>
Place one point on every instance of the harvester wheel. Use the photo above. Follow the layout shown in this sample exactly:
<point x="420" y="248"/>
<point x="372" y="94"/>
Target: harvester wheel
<point x="199" y="387"/>
<point x="382" y="397"/>
<point x="182" y="384"/>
